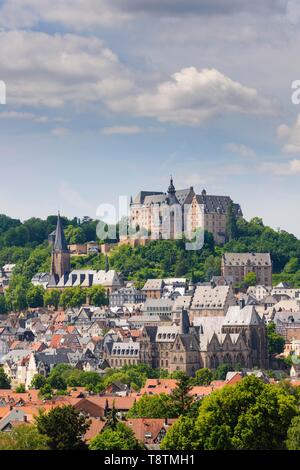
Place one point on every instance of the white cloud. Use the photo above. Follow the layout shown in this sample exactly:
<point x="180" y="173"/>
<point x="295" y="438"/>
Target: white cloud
<point x="281" y="169"/>
<point x="194" y="96"/>
<point x="19" y="115"/>
<point x="128" y="130"/>
<point x="241" y="150"/>
<point x="291" y="135"/>
<point x="60" y="131"/>
<point x="54" y="70"/>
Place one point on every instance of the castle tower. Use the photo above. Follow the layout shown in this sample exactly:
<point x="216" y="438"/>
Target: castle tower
<point x="172" y="193"/>
<point x="60" y="263"/>
<point x="175" y="212"/>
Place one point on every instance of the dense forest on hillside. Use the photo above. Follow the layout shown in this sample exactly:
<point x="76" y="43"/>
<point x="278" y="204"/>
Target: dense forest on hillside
<point x="26" y="244"/>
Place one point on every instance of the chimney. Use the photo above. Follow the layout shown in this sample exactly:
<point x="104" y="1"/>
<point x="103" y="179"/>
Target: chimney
<point x="242" y="303"/>
<point x="166" y="422"/>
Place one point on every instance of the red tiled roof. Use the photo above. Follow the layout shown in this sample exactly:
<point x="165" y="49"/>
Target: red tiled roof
<point x="95" y="428"/>
<point x="56" y="341"/>
<point x="121" y="403"/>
<point x="146" y="430"/>
<point x="4" y="410"/>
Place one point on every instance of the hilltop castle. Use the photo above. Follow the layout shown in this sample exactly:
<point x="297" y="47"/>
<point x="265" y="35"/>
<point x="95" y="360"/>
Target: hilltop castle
<point x="168" y="215"/>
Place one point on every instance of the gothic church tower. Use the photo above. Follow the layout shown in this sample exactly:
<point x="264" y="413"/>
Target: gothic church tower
<point x="61" y="263"/>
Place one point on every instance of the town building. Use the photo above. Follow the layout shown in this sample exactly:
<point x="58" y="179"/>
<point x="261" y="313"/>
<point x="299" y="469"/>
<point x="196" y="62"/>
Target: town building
<point x="238" y="265"/>
<point x="238" y="337"/>
<point x="211" y="301"/>
<point x="126" y="295"/>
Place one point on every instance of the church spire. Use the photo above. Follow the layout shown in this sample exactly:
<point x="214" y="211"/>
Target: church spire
<point x="171" y="188"/>
<point x="60" y="243"/>
<point x="60" y="262"/>
<point x="172" y="193"/>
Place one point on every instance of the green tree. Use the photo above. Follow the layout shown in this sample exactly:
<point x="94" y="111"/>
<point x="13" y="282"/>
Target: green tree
<point x="52" y="298"/>
<point x="97" y="296"/>
<point x="153" y="406"/>
<point x="212" y="267"/>
<point x="20" y="388"/>
<point x="16" y="294"/>
<point x="74" y="235"/>
<point x="64" y="427"/>
<point x="23" y="437"/>
<point x="46" y="392"/>
<point x="112" y="418"/>
<point x="183" y="436"/>
<point x="38" y="381"/>
<point x="4" y="380"/>
<point x="250" y="415"/>
<point x="250" y="279"/>
<point x="293" y="434"/>
<point x="231" y="224"/>
<point x="57" y="382"/>
<point x="181" y="398"/>
<point x="73" y="297"/>
<point x="120" y="438"/>
<point x="276" y="342"/>
<point x="35" y="296"/>
<point x="221" y="371"/>
<point x="292" y="266"/>
<point x="203" y="377"/>
<point x="3" y="306"/>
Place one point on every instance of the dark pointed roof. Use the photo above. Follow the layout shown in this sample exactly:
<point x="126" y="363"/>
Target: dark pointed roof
<point x="172" y="193"/>
<point x="60" y="243"/>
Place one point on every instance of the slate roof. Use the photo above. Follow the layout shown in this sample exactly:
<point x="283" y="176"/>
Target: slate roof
<point x="217" y="204"/>
<point x="153" y="284"/>
<point x="210" y="297"/>
<point x="52" y="359"/>
<point x="244" y="259"/>
<point x="142" y="194"/>
<point x="181" y="196"/>
<point x="60" y="243"/>
<point x="241" y="317"/>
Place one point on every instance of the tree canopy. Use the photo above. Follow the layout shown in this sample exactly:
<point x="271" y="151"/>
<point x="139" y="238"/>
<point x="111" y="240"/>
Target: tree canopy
<point x="250" y="415"/>
<point x="64" y="428"/>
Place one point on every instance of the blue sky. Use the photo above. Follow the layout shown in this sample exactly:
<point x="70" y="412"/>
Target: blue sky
<point x="105" y="98"/>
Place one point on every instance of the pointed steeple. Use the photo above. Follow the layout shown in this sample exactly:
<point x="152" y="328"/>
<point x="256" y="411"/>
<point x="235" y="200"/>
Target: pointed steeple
<point x="171" y="188"/>
<point x="61" y="261"/>
<point x="60" y="243"/>
<point x="131" y="200"/>
<point x="172" y="193"/>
